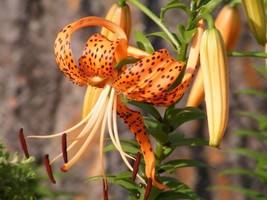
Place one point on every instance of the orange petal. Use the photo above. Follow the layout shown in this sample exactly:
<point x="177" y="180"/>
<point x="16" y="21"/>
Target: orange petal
<point x="62" y="47"/>
<point x="149" y="78"/>
<point x="134" y="121"/>
<point x="100" y="55"/>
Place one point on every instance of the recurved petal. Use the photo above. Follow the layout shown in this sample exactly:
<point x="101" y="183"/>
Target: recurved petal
<point x="99" y="56"/>
<point x="134" y="121"/>
<point x="149" y="78"/>
<point x="62" y="46"/>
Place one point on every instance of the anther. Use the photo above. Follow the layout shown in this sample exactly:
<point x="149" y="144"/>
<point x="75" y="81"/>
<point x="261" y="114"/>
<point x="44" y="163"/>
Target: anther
<point x="23" y="143"/>
<point x="148" y="188"/>
<point x="49" y="169"/>
<point x="136" y="165"/>
<point x="105" y="189"/>
<point x="64" y="147"/>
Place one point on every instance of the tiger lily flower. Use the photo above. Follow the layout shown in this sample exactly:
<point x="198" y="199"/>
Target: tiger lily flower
<point x="147" y="80"/>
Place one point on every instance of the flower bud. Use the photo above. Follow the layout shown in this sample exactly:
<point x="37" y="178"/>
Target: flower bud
<point x="228" y="22"/>
<point x="214" y="65"/>
<point x="120" y="15"/>
<point x="256" y="18"/>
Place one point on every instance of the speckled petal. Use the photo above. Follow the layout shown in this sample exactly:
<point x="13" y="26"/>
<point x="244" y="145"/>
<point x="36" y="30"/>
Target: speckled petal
<point x="134" y="121"/>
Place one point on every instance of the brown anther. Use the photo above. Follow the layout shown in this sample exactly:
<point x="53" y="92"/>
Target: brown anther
<point x="23" y="143"/>
<point x="136" y="165"/>
<point x="49" y="169"/>
<point x="105" y="189"/>
<point x="64" y="147"/>
<point x="148" y="188"/>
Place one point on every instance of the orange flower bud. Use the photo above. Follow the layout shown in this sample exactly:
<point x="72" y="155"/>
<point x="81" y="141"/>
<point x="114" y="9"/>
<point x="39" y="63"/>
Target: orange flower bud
<point x="228" y="22"/>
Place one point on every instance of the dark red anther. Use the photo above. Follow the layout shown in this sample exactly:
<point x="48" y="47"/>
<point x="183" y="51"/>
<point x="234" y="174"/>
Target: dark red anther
<point x="64" y="147"/>
<point x="23" y="143"/>
<point x="105" y="189"/>
<point x="49" y="169"/>
<point x="148" y="188"/>
<point x="136" y="165"/>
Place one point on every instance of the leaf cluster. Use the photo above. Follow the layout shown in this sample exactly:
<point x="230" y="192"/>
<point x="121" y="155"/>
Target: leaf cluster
<point x="19" y="179"/>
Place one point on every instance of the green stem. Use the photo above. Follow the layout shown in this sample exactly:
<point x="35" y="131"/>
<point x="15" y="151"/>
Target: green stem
<point x="209" y="19"/>
<point x="121" y="2"/>
<point x="153" y="17"/>
<point x="182" y="52"/>
<point x="234" y="3"/>
<point x="247" y="54"/>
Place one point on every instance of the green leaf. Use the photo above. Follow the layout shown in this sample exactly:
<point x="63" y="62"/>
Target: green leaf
<point x="185" y="35"/>
<point x="122" y="179"/>
<point x="262" y="70"/>
<point x="190" y="142"/>
<point x="146" y="107"/>
<point x="209" y="6"/>
<point x="249" y="153"/>
<point x="156" y="129"/>
<point x="172" y="5"/>
<point x="178" y="190"/>
<point x="125" y="147"/>
<point x="165" y="37"/>
<point x="178" y="116"/>
<point x="170" y="166"/>
<point x="248" y="193"/>
<point x="253" y="92"/>
<point x="255" y="173"/>
<point x="249" y="133"/>
<point x="262" y="119"/>
<point x="143" y="42"/>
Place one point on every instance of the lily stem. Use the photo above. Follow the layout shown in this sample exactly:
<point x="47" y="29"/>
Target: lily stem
<point x="247" y="54"/>
<point x="153" y="17"/>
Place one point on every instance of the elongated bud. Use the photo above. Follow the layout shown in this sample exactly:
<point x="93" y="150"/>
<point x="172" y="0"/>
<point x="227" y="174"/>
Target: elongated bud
<point x="256" y="18"/>
<point x="214" y="65"/>
<point x="228" y="22"/>
<point x="120" y="15"/>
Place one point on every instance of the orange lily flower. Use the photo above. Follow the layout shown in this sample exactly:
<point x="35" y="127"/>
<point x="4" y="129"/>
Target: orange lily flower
<point x="145" y="81"/>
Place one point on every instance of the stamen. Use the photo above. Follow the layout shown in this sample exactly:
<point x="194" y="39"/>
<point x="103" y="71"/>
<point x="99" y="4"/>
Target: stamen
<point x="93" y="132"/>
<point x="148" y="188"/>
<point x="49" y="169"/>
<point x="136" y="165"/>
<point x="114" y="135"/>
<point x="64" y="147"/>
<point x="23" y="143"/>
<point x="105" y="189"/>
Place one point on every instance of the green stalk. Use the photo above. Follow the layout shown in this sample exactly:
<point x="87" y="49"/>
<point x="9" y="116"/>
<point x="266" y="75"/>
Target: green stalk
<point x="247" y="54"/>
<point x="121" y="2"/>
<point x="154" y="18"/>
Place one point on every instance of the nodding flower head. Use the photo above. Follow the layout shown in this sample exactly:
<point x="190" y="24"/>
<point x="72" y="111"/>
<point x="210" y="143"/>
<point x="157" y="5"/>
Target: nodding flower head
<point x="147" y="80"/>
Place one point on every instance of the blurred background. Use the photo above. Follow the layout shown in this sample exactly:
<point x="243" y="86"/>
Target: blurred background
<point x="37" y="97"/>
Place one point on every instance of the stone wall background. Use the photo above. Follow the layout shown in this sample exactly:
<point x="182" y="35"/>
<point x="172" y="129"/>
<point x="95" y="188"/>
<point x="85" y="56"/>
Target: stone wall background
<point x="36" y="96"/>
